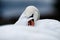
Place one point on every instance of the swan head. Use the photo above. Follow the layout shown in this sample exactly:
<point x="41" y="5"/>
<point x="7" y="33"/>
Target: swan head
<point x="31" y="13"/>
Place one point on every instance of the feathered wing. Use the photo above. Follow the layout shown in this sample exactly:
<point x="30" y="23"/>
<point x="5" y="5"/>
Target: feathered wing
<point x="49" y="27"/>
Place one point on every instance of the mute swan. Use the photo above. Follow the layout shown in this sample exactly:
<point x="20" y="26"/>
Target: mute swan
<point x="29" y="11"/>
<point x="46" y="29"/>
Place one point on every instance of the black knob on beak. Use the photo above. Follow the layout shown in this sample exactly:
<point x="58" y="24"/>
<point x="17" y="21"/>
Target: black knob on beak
<point x="31" y="16"/>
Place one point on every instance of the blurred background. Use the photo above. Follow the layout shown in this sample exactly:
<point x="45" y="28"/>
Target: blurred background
<point x="10" y="10"/>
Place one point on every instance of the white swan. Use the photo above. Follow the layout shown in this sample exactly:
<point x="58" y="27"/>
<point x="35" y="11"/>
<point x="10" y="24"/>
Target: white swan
<point x="46" y="29"/>
<point x="27" y="13"/>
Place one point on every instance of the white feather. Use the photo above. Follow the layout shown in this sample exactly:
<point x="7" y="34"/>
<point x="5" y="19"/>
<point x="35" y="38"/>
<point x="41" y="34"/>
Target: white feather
<point x="46" y="29"/>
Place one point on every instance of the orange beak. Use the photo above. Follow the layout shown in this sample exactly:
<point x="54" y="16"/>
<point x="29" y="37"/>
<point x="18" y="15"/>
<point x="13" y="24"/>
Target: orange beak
<point x="31" y="22"/>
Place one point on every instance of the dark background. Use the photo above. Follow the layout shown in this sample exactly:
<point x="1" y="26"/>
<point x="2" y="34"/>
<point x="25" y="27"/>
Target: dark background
<point x="11" y="10"/>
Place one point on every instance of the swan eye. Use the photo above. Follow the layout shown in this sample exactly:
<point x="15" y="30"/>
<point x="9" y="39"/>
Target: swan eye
<point x="31" y="16"/>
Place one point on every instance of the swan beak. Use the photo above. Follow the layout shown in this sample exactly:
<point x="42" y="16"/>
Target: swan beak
<point x="31" y="22"/>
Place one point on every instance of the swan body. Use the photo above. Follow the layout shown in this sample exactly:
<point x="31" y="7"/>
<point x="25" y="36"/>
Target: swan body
<point x="46" y="29"/>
